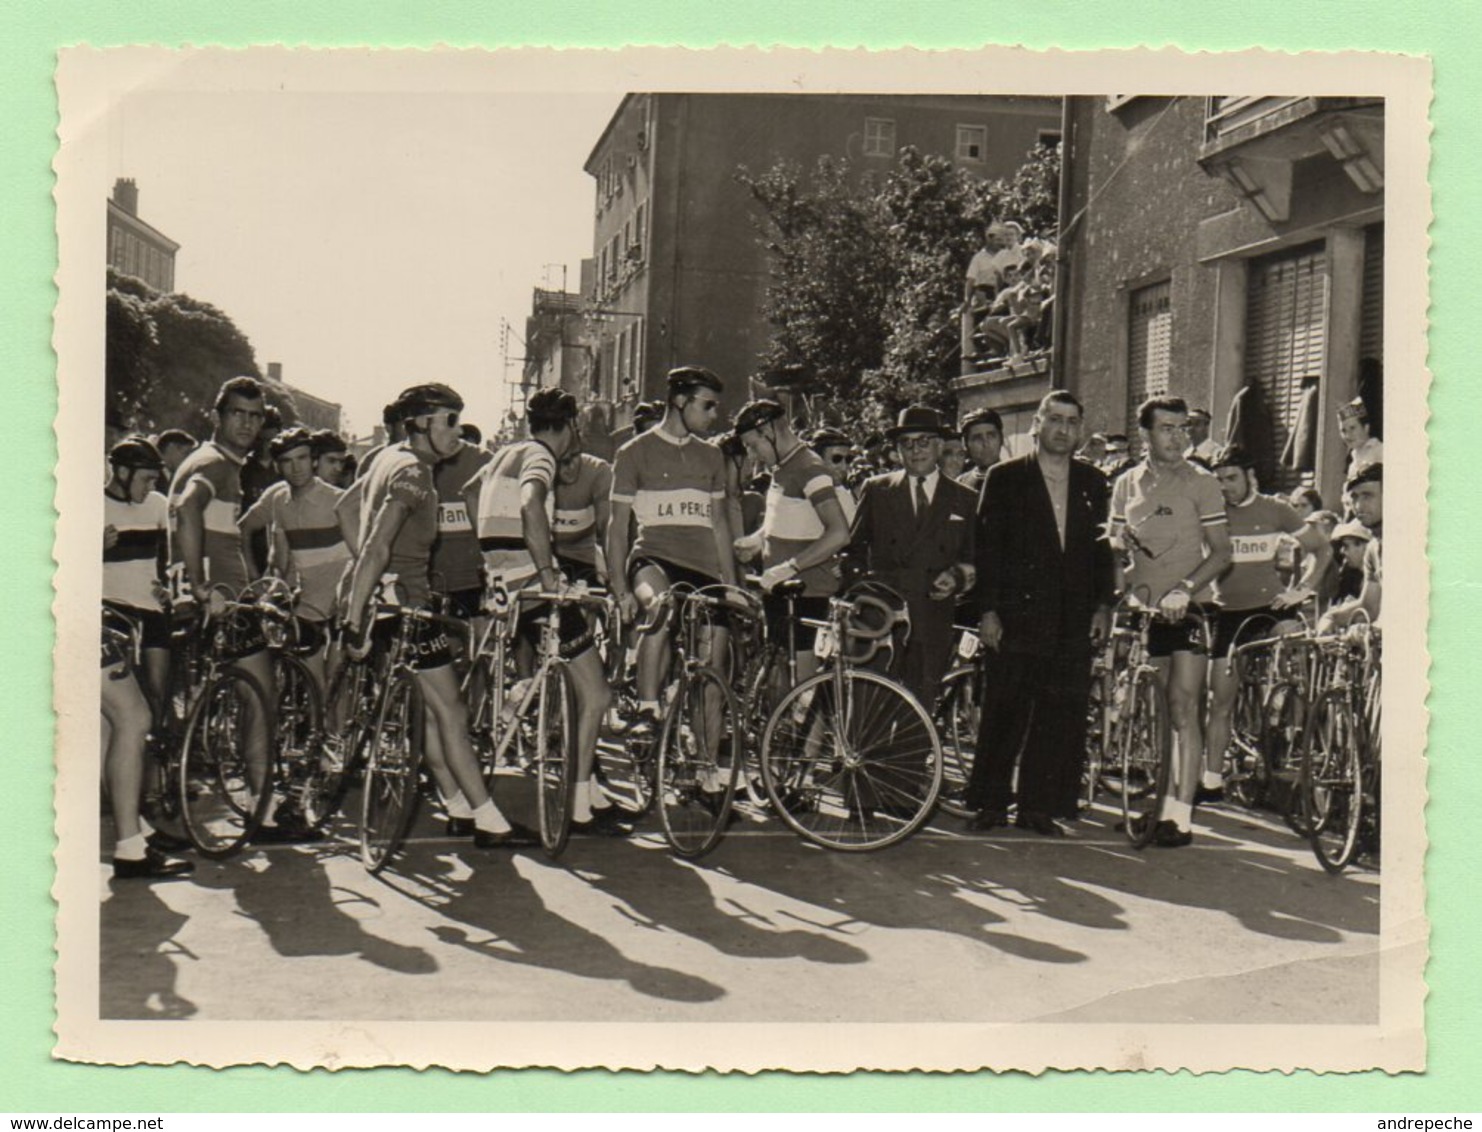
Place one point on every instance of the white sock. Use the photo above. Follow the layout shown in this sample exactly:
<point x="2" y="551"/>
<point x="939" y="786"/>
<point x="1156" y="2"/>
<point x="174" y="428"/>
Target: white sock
<point x="457" y="806"/>
<point x="1179" y="813"/>
<point x="145" y="828"/>
<point x="581" y="807"/>
<point x="591" y="789"/>
<point x="131" y="848"/>
<point x="649" y="706"/>
<point x="488" y="818"/>
<point x="1211" y="780"/>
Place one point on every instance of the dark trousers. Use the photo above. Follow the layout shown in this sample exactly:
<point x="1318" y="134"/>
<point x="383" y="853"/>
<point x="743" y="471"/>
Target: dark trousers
<point x="1034" y="713"/>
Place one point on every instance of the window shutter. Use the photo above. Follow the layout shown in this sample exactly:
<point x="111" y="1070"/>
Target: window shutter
<point x="1371" y="317"/>
<point x="1150" y="336"/>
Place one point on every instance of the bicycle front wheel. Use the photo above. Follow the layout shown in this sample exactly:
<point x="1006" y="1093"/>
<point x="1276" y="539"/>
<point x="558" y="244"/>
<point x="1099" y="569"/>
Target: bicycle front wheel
<point x="1331" y="781"/>
<point x="1247" y="774"/>
<point x="348" y="713"/>
<point x="225" y="782"/>
<point x="851" y="761"/>
<point x="391" y="774"/>
<point x="1146" y="748"/>
<point x="299" y="718"/>
<point x="700" y="757"/>
<point x="555" y="758"/>
<point x="959" y="715"/>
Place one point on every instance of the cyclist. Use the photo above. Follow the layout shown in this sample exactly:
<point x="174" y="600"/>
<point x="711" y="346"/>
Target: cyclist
<point x="834" y="449"/>
<point x="398" y="524"/>
<point x="175" y="444"/>
<point x="307" y="544"/>
<point x="583" y="508"/>
<point x="455" y="553"/>
<point x="675" y="484"/>
<point x="514" y="499"/>
<point x="804" y="526"/>
<point x="982" y="435"/>
<point x="135" y="530"/>
<point x="1253" y="602"/>
<point x="1170" y="515"/>
<point x="206" y="550"/>
<point x="1365" y="492"/>
<point x="330" y="453"/>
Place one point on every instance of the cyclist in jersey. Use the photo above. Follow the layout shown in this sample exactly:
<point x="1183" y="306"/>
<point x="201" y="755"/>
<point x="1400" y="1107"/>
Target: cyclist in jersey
<point x="330" y="454"/>
<point x="583" y="509"/>
<point x="1253" y="602"/>
<point x="306" y="545"/>
<point x="134" y="528"/>
<point x="514" y="499"/>
<point x="135" y="532"/>
<point x="834" y="449"/>
<point x="1170" y="516"/>
<point x="803" y="528"/>
<point x="1365" y="495"/>
<point x="398" y="525"/>
<point x="674" y="483"/>
<point x="206" y="546"/>
<point x="455" y="553"/>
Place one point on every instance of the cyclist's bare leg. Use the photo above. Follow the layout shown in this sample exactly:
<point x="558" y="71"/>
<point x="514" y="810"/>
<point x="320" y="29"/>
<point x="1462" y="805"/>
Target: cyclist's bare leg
<point x="127" y="718"/>
<point x="156" y="678"/>
<point x="593" y="697"/>
<point x="649" y="585"/>
<point x="1224" y="682"/>
<point x="260" y="666"/>
<point x="451" y="757"/>
<point x="1186" y="678"/>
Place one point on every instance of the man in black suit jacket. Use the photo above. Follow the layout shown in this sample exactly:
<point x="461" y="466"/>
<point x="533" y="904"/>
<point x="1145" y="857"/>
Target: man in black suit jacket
<point x="1045" y="588"/>
<point x="914" y="532"/>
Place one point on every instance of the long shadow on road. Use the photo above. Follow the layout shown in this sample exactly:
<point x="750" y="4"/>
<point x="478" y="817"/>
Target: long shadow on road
<point x="137" y="973"/>
<point x="505" y="918"/>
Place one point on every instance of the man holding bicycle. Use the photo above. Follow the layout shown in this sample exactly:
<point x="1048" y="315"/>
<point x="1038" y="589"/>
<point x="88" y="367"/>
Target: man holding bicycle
<point x="398" y="525"/>
<point x="1365" y="493"/>
<point x="1170" y="517"/>
<point x="1253" y="602"/>
<point x="514" y="499"/>
<point x="674" y="482"/>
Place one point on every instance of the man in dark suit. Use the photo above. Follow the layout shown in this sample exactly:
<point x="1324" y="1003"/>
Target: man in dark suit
<point x="1045" y="588"/>
<point x="914" y="532"/>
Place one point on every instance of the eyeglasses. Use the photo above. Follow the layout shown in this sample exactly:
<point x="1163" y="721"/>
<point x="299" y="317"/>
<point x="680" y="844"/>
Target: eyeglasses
<point x="915" y="442"/>
<point x="450" y="418"/>
<point x="839" y="458"/>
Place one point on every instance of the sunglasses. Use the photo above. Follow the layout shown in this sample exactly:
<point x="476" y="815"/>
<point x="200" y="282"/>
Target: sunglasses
<point x="838" y="459"/>
<point x="450" y="418"/>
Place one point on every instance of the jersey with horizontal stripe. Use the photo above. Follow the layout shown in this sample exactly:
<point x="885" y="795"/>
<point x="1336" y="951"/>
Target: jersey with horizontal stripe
<point x="131" y="565"/>
<point x="402" y="475"/>
<point x="800" y="484"/>
<point x="1164" y="514"/>
<point x="455" y="554"/>
<point x="221" y="473"/>
<point x="1256" y="527"/>
<point x="501" y="526"/>
<point x="576" y="510"/>
<point x="674" y="486"/>
<point x="316" y="549"/>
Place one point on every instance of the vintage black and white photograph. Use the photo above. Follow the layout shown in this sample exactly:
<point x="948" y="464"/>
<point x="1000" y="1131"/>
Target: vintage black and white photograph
<point x="741" y="560"/>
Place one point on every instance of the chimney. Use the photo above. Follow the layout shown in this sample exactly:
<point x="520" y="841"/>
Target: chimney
<point x="126" y="195"/>
<point x="275" y="371"/>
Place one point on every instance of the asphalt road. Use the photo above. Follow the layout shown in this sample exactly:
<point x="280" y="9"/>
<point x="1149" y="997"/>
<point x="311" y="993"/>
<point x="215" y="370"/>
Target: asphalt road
<point x="1242" y="926"/>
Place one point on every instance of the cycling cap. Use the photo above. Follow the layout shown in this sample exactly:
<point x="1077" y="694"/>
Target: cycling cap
<point x="1232" y="456"/>
<point x="420" y="400"/>
<point x="326" y="440"/>
<point x="646" y="413"/>
<point x="822" y="438"/>
<point x="754" y="414"/>
<point x="289" y="439"/>
<point x="981" y="416"/>
<point x="136" y="452"/>
<point x="731" y="447"/>
<point x="686" y="379"/>
<point x="551" y="407"/>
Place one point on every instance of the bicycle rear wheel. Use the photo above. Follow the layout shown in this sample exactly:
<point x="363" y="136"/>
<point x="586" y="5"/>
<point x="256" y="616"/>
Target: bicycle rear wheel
<point x="851" y="761"/>
<point x="225" y="782"/>
<point x="299" y="730"/>
<point x="700" y="757"/>
<point x="391" y="775"/>
<point x="1247" y="774"/>
<point x="1331" y="782"/>
<point x="1146" y="747"/>
<point x="555" y="758"/>
<point x="349" y="708"/>
<point x="959" y="715"/>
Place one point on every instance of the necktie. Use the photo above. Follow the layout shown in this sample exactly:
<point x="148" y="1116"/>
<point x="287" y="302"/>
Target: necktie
<point x="920" y="497"/>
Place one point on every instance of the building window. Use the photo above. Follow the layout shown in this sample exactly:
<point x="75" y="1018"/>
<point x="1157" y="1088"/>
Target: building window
<point x="1048" y="139"/>
<point x="879" y="137"/>
<point x="1149" y="338"/>
<point x="972" y="143"/>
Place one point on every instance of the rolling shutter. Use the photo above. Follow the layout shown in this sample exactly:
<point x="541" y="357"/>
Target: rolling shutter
<point x="1286" y="328"/>
<point x="1150" y="334"/>
<point x="1371" y="317"/>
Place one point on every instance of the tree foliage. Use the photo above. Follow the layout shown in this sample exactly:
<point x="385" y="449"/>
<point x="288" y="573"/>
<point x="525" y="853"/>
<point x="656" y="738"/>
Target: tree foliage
<point x="167" y="355"/>
<point x="867" y="274"/>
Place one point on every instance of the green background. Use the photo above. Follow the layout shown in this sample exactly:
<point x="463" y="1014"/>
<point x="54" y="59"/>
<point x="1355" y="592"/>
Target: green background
<point x="30" y="33"/>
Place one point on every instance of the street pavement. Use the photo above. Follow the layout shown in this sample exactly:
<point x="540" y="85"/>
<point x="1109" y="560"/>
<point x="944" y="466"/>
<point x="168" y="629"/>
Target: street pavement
<point x="1242" y="926"/>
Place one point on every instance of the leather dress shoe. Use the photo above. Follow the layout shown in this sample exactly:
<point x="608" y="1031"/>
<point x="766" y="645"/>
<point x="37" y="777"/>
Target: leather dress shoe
<point x="1042" y="824"/>
<point x="516" y="837"/>
<point x="154" y="865"/>
<point x="603" y="823"/>
<point x="987" y="819"/>
<point x="1206" y="796"/>
<point x="284" y="835"/>
<point x="168" y="843"/>
<point x="458" y="827"/>
<point x="1167" y="835"/>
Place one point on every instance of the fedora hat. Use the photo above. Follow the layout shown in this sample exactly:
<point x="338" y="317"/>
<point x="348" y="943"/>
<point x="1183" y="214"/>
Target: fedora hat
<point x="917" y="418"/>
